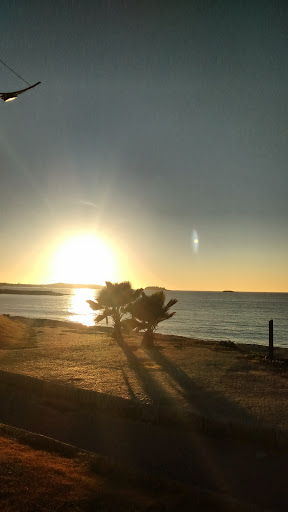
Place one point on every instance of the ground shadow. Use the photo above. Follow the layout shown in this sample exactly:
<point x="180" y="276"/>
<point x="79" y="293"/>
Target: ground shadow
<point x="150" y="386"/>
<point x="205" y="402"/>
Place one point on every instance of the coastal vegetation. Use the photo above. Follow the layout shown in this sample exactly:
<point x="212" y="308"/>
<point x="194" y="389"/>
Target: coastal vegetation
<point x="117" y="300"/>
<point x="112" y="302"/>
<point x="147" y="312"/>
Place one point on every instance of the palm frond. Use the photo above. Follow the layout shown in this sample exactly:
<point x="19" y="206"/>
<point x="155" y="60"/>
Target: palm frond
<point x="94" y="305"/>
<point x="136" y="293"/>
<point x="151" y="309"/>
<point x="102" y="316"/>
<point x="131" y="324"/>
<point x="166" y="317"/>
<point x="169" y="304"/>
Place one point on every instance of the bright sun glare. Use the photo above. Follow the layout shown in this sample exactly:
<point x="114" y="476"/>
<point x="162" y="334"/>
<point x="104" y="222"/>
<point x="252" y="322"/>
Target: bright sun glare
<point x="84" y="259"/>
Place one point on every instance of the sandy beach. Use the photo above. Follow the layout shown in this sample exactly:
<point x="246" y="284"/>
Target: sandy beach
<point x="220" y="381"/>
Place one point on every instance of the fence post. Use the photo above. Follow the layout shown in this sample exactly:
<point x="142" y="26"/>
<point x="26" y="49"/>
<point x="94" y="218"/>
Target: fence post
<point x="271" y="339"/>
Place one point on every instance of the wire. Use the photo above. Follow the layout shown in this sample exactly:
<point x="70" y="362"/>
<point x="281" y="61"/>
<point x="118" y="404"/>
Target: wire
<point x="15" y="72"/>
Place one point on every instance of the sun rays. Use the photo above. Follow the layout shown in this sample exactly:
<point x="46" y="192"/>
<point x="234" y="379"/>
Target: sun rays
<point x="84" y="259"/>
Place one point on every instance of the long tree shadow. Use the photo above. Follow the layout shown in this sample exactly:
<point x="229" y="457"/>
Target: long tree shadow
<point x="128" y="385"/>
<point x="207" y="403"/>
<point x="153" y="389"/>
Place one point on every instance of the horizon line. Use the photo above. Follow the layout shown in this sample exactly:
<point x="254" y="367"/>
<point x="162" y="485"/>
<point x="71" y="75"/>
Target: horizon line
<point x="94" y="285"/>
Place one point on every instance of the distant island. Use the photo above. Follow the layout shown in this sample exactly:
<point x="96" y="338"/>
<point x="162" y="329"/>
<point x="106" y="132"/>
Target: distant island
<point x="155" y="288"/>
<point x="228" y="291"/>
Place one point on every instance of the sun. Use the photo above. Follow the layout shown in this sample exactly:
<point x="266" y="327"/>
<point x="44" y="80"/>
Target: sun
<point x="84" y="259"/>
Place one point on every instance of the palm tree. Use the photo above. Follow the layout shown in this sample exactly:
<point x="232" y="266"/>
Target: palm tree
<point x="147" y="312"/>
<point x="111" y="302"/>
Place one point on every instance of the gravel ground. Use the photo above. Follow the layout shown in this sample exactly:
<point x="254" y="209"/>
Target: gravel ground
<point x="222" y="381"/>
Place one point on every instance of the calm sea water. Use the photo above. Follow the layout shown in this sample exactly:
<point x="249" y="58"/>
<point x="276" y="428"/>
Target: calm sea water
<point x="239" y="317"/>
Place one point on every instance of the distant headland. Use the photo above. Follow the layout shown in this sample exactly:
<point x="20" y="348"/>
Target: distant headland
<point x="52" y="285"/>
<point x="71" y="285"/>
<point x="13" y="291"/>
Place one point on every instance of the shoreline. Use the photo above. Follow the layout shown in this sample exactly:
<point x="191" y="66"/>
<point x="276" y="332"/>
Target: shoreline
<point x="240" y="320"/>
<point x="49" y="322"/>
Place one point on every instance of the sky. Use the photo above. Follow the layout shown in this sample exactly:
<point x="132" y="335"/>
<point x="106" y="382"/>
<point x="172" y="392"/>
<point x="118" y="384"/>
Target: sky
<point x="154" y="150"/>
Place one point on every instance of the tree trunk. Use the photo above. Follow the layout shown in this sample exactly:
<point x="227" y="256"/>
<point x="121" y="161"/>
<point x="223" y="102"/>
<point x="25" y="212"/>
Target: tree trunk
<point x="148" y="340"/>
<point x="117" y="333"/>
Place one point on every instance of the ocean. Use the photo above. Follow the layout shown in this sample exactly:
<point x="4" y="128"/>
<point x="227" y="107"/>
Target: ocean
<point x="238" y="317"/>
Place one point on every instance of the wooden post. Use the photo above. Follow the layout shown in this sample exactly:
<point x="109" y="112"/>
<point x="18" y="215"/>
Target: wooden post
<point x="271" y="339"/>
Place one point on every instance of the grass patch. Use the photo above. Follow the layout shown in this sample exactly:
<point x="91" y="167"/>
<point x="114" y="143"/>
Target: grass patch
<point x="14" y="334"/>
<point x="38" y="480"/>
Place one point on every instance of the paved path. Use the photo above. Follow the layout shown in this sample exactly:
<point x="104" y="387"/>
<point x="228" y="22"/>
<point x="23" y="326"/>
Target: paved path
<point x="243" y="470"/>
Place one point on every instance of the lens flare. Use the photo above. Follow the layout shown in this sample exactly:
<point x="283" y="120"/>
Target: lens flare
<point x="195" y="241"/>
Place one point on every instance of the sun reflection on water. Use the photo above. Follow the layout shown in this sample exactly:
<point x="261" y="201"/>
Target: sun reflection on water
<point x="79" y="310"/>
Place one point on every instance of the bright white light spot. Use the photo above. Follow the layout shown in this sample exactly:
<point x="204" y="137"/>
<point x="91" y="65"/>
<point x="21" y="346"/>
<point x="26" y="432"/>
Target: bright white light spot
<point x="10" y="99"/>
<point x="195" y="241"/>
<point x="84" y="259"/>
